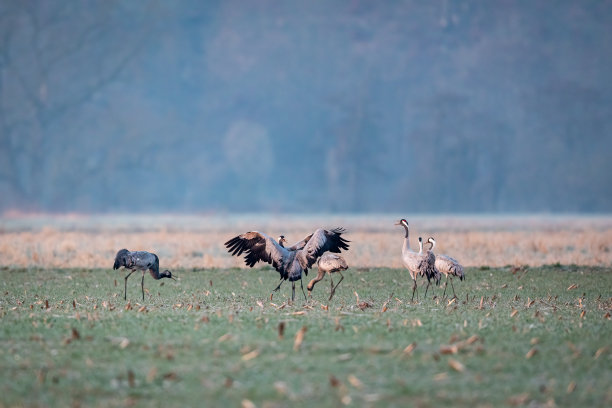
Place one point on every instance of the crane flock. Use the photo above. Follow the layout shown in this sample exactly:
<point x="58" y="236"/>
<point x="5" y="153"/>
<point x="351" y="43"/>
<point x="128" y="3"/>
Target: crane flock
<point x="319" y="248"/>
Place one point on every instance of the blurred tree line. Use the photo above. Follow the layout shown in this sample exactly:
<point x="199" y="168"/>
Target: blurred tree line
<point x="441" y="106"/>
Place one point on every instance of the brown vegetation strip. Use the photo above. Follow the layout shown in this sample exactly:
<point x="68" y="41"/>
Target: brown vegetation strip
<point x="197" y="242"/>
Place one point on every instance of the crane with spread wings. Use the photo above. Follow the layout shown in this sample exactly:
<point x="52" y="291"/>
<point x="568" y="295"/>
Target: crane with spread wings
<point x="290" y="262"/>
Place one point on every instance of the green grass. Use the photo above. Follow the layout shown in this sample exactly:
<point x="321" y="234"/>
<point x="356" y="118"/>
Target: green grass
<point x="212" y="339"/>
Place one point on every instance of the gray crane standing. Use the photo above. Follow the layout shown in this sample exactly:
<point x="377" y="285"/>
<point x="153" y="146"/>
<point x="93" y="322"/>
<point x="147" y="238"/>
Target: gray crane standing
<point x="429" y="253"/>
<point x="448" y="266"/>
<point x="140" y="261"/>
<point x="417" y="263"/>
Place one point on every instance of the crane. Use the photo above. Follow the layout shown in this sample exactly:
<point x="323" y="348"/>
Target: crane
<point x="290" y="263"/>
<point x="139" y="261"/>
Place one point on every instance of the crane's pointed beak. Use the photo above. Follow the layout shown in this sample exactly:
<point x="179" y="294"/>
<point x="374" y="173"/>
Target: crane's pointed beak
<point x="172" y="277"/>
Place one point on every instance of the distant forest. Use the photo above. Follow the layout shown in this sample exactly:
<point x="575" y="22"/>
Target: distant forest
<point x="306" y="106"/>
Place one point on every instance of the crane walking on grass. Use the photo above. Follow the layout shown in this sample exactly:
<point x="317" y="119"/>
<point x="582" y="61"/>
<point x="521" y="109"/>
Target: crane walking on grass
<point x="448" y="266"/>
<point x="417" y="264"/>
<point x="291" y="262"/>
<point x="140" y="261"/>
<point x="328" y="263"/>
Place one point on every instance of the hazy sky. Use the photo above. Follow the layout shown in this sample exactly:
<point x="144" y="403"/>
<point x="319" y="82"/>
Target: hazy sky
<point x="310" y="106"/>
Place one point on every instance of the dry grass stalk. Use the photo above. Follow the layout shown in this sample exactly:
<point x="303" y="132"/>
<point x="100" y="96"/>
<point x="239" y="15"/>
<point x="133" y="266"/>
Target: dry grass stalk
<point x="453" y="349"/>
<point x="456" y="365"/>
<point x="299" y="338"/>
<point x="410" y="348"/>
<point x="247" y="404"/>
<point x="251" y="355"/>
<point x="354" y="381"/>
<point x="281" y="330"/>
<point x="601" y="351"/>
<point x="531" y="353"/>
<point x="91" y="242"/>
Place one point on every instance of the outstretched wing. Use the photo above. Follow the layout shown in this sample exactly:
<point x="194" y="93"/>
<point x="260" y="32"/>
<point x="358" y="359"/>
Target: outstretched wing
<point x="300" y="244"/>
<point x="121" y="259"/>
<point x="321" y="242"/>
<point x="258" y="247"/>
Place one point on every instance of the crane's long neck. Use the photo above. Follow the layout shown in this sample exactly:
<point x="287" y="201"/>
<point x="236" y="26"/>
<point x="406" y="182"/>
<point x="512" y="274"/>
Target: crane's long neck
<point x="154" y="270"/>
<point x="315" y="280"/>
<point x="406" y="246"/>
<point x="420" y="246"/>
<point x="157" y="275"/>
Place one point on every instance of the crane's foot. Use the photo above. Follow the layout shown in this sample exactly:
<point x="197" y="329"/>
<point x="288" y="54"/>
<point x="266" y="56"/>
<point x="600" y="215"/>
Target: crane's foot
<point x="276" y="289"/>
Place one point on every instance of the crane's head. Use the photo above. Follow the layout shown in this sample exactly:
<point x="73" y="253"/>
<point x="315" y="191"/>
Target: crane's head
<point x="431" y="241"/>
<point x="166" y="274"/>
<point x="281" y="240"/>
<point x="402" y="222"/>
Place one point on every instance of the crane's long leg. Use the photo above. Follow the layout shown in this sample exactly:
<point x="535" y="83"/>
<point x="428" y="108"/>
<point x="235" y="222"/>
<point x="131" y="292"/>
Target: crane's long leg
<point x="142" y="285"/>
<point x="125" y="290"/>
<point x="333" y="291"/>
<point x="445" y="285"/>
<point x="452" y="286"/>
<point x="292" y="291"/>
<point x="278" y="287"/>
<point x="304" y="293"/>
<point x="414" y="289"/>
<point x="427" y="287"/>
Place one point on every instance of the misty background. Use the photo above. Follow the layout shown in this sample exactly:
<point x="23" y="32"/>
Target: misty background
<point x="305" y="106"/>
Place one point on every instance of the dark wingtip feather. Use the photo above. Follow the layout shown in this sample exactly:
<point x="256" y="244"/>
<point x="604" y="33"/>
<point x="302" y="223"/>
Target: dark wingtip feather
<point x="231" y="242"/>
<point x="235" y="246"/>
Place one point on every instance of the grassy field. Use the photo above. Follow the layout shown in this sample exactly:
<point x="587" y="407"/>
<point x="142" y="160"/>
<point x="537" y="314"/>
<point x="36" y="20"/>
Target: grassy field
<point x="516" y="336"/>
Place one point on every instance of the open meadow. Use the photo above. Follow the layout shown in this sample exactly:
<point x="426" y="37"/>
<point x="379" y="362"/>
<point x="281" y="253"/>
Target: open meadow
<point x="530" y="325"/>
